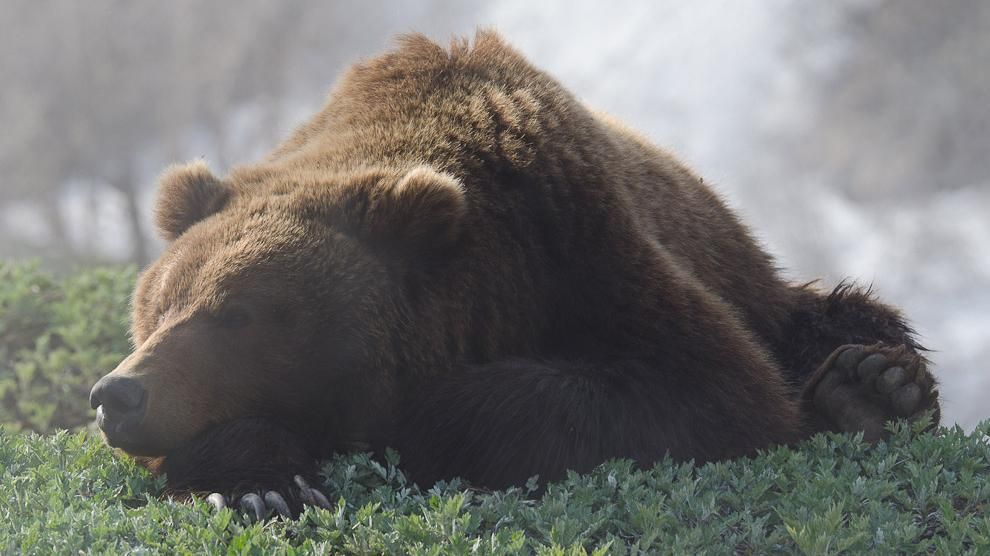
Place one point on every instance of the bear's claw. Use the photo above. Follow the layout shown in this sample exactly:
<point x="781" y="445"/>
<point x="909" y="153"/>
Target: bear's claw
<point x="217" y="500"/>
<point x="859" y="388"/>
<point x="277" y="503"/>
<point x="310" y="495"/>
<point x="258" y="508"/>
<point x="251" y="503"/>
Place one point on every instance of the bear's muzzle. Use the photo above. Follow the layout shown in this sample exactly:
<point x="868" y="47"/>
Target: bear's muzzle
<point x="120" y="404"/>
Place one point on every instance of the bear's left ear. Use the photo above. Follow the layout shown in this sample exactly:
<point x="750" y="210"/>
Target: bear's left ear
<point x="187" y="193"/>
<point x="424" y="210"/>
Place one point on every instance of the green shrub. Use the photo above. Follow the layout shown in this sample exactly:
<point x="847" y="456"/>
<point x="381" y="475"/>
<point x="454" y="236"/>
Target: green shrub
<point x="57" y="337"/>
<point x="919" y="493"/>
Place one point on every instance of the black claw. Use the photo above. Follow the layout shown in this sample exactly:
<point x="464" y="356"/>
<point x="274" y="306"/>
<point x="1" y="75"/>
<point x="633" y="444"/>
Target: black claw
<point x="304" y="490"/>
<point x="276" y="502"/>
<point x="252" y="503"/>
<point x="321" y="500"/>
<point x="925" y="380"/>
<point x="217" y="501"/>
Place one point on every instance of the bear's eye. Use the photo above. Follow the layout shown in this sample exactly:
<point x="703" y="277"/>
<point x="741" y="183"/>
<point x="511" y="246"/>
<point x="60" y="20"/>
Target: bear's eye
<point x="233" y="317"/>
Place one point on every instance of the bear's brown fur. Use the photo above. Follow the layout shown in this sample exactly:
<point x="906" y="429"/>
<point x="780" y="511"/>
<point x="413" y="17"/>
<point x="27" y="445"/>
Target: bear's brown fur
<point x="457" y="259"/>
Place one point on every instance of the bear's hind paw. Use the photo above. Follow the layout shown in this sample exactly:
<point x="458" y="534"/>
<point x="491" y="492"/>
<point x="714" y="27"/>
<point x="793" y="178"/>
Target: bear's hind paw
<point x="258" y="507"/>
<point x="860" y="388"/>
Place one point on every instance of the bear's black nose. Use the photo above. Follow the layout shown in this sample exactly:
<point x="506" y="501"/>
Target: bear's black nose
<point x="122" y="398"/>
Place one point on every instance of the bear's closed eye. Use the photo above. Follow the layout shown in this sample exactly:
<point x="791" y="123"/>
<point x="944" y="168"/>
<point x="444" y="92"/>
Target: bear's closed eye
<point x="233" y="317"/>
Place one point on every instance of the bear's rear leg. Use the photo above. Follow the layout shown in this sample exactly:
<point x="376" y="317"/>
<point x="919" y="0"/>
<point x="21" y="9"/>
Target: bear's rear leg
<point x="822" y="322"/>
<point x="846" y="320"/>
<point x="860" y="388"/>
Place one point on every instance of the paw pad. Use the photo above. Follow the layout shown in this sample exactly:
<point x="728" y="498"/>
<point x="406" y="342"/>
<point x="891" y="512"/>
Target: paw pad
<point x="859" y="388"/>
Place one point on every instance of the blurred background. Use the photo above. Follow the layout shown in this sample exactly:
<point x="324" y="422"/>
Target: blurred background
<point x="853" y="136"/>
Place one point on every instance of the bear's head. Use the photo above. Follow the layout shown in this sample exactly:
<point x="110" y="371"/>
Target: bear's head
<point x="276" y="297"/>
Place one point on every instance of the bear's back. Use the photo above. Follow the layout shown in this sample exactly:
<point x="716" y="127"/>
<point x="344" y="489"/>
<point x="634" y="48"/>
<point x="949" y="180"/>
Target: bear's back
<point x="533" y="158"/>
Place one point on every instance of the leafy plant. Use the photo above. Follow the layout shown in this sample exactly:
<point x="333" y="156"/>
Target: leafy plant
<point x="917" y="493"/>
<point x="57" y="337"/>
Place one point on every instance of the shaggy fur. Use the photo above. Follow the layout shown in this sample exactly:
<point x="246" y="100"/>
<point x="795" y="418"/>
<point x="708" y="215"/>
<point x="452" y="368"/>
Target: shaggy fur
<point x="457" y="259"/>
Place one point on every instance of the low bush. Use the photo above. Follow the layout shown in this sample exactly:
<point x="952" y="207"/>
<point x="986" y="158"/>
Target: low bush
<point x="919" y="493"/>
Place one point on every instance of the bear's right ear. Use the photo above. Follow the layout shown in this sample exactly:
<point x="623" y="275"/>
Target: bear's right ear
<point x="187" y="193"/>
<point x="423" y="211"/>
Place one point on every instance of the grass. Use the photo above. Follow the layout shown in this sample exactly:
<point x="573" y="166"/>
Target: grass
<point x="921" y="492"/>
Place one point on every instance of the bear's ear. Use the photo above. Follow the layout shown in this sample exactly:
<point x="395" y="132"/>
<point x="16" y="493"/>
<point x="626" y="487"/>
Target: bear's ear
<point x="424" y="210"/>
<point x="187" y="193"/>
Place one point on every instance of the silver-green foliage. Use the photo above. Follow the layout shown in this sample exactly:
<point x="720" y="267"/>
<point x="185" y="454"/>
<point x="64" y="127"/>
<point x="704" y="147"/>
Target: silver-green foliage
<point x="921" y="492"/>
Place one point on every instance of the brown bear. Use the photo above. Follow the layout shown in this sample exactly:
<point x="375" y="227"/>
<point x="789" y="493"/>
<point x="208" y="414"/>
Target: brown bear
<point x="457" y="259"/>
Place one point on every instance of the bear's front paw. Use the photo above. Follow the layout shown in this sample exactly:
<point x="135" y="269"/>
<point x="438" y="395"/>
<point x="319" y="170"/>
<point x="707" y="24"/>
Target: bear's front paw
<point x="259" y="505"/>
<point x="860" y="388"/>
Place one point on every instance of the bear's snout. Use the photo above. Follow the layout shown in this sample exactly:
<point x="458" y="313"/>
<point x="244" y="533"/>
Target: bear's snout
<point x="120" y="404"/>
